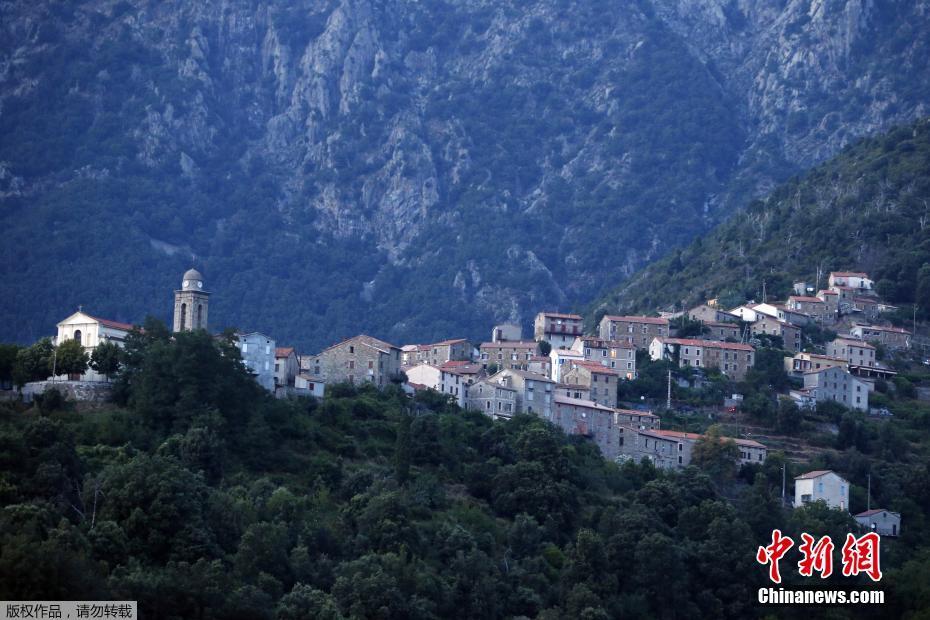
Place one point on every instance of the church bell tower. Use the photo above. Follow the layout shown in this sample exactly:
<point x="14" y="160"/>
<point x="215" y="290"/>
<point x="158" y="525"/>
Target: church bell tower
<point x="191" y="303"/>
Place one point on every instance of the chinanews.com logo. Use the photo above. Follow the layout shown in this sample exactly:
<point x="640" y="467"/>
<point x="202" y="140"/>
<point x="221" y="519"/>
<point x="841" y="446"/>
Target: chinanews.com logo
<point x="859" y="556"/>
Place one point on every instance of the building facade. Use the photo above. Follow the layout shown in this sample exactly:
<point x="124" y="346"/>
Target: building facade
<point x="559" y="330"/>
<point x="892" y="338"/>
<point x="286" y="366"/>
<point x="821" y="485"/>
<point x="359" y="359"/>
<point x="91" y="331"/>
<point x="619" y="355"/>
<point x="856" y="352"/>
<point x="790" y="334"/>
<point x="601" y="381"/>
<point x="534" y="393"/>
<point x="258" y="355"/>
<point x="731" y="358"/>
<point x="492" y="399"/>
<point x="837" y="385"/>
<point x="636" y="330"/>
<point x="514" y="355"/>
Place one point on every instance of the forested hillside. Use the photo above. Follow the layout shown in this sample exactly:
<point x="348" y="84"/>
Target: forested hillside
<point x="866" y="209"/>
<point x="201" y="496"/>
<point x="339" y="166"/>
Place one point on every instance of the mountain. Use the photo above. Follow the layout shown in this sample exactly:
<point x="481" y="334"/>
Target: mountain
<point x="412" y="169"/>
<point x="866" y="209"/>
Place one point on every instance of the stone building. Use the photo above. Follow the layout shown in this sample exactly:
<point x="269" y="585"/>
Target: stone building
<point x="802" y="363"/>
<point x="191" y="303"/>
<point x="358" y="359"/>
<point x="709" y="314"/>
<point x="534" y="393"/>
<point x="722" y="331"/>
<point x="589" y="419"/>
<point x="559" y="330"/>
<point x="637" y="330"/>
<point x="790" y="334"/>
<point x="674" y="449"/>
<point x="837" y="385"/>
<point x="258" y="355"/>
<point x="492" y="399"/>
<point x="890" y="337"/>
<point x="601" y="381"/>
<point x="731" y="358"/>
<point x="515" y="355"/>
<point x="856" y="352"/>
<point x="506" y="332"/>
<point x="617" y="354"/>
<point x="882" y="522"/>
<point x="286" y="366"/>
<point x="814" y="307"/>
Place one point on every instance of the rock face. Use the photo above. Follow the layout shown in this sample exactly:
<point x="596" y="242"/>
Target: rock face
<point x="339" y="166"/>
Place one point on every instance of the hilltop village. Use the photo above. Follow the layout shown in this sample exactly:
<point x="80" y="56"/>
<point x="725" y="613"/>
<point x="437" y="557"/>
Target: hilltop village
<point x="575" y="379"/>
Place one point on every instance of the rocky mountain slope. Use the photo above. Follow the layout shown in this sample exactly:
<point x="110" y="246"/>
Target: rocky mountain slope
<point x="867" y="208"/>
<point x="412" y="169"/>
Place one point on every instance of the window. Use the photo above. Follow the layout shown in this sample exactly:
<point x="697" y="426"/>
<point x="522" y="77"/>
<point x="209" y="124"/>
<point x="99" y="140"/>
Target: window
<point x="351" y="364"/>
<point x="77" y="335"/>
<point x="351" y="348"/>
<point x="245" y="347"/>
<point x="371" y="364"/>
<point x="199" y="316"/>
<point x="183" y="315"/>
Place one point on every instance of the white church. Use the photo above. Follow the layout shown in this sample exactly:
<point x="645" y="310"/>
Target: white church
<point x="191" y="305"/>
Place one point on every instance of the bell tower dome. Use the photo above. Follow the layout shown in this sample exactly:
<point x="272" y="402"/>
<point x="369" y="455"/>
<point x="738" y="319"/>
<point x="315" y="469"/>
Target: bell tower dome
<point x="191" y="303"/>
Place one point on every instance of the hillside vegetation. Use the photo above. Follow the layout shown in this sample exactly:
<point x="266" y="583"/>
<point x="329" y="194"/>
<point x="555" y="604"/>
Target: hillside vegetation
<point x="866" y="209"/>
<point x="200" y="496"/>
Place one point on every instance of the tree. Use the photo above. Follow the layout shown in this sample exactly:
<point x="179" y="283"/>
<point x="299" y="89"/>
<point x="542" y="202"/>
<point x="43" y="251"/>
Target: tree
<point x="545" y="348"/>
<point x="71" y="358"/>
<point x="33" y="363"/>
<point x="715" y="454"/>
<point x="105" y="358"/>
<point x="8" y="354"/>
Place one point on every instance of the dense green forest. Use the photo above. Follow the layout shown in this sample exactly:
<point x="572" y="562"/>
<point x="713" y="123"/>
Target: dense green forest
<point x="866" y="209"/>
<point x="200" y="496"/>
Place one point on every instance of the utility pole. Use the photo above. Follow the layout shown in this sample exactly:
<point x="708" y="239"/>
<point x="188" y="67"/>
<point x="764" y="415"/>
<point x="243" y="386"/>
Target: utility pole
<point x="783" y="484"/>
<point x="868" y="494"/>
<point x="763" y="290"/>
<point x="54" y="364"/>
<point x="668" y="398"/>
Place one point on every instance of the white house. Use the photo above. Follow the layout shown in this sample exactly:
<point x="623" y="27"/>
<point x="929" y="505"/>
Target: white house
<point x="91" y="331"/>
<point x="851" y="279"/>
<point x="823" y="485"/>
<point x="562" y="361"/>
<point x="314" y="386"/>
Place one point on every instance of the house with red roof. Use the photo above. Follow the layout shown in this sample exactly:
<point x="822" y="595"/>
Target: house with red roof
<point x="637" y="330"/>
<point x="601" y="381"/>
<point x="557" y="328"/>
<point x="286" y="366"/>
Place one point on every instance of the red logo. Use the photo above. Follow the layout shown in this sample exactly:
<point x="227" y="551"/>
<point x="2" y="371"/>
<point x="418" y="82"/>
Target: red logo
<point x="773" y="553"/>
<point x="859" y="555"/>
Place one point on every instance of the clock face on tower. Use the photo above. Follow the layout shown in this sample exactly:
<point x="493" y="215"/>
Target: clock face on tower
<point x="186" y="283"/>
<point x="200" y="285"/>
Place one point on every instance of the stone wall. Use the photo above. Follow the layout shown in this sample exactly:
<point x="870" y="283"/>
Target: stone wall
<point x="80" y="391"/>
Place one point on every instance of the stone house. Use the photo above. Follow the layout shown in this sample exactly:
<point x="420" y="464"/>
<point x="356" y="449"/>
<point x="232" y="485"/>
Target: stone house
<point x="258" y="355"/>
<point x="619" y="355"/>
<point x="578" y="392"/>
<point x="814" y="307"/>
<point x="493" y="399"/>
<point x="892" y="338"/>
<point x="286" y="366"/>
<point x="710" y="314"/>
<point x="831" y="301"/>
<point x="541" y="365"/>
<point x="749" y="451"/>
<point x="534" y="393"/>
<point x="717" y="330"/>
<point x="866" y="307"/>
<point x="856" y="352"/>
<point x="588" y="419"/>
<point x="413" y="354"/>
<point x="559" y="330"/>
<point x="91" y="331"/>
<point x="637" y="330"/>
<point x="837" y="385"/>
<point x="514" y="355"/>
<point x="822" y="485"/>
<point x="794" y="317"/>
<point x="790" y="334"/>
<point x="358" y="359"/>
<point x="454" y="350"/>
<point x="602" y="382"/>
<point x="882" y="522"/>
<point x="731" y="358"/>
<point x="637" y="419"/>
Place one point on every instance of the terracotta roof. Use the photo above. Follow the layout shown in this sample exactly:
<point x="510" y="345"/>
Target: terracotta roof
<point x="559" y="315"/>
<point x="848" y="274"/>
<point x="596" y="367"/>
<point x="365" y="340"/>
<point x="600" y="343"/>
<point x="722" y="324"/>
<point x="526" y="374"/>
<point x="819" y="356"/>
<point x="855" y="341"/>
<point x="111" y="324"/>
<point x="813" y="300"/>
<point x="814" y="474"/>
<point x="637" y="319"/>
<point x="827" y="292"/>
<point x="540" y="358"/>
<point x="712" y="344"/>
<point x="451" y="341"/>
<point x="283" y="351"/>
<point x="695" y="436"/>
